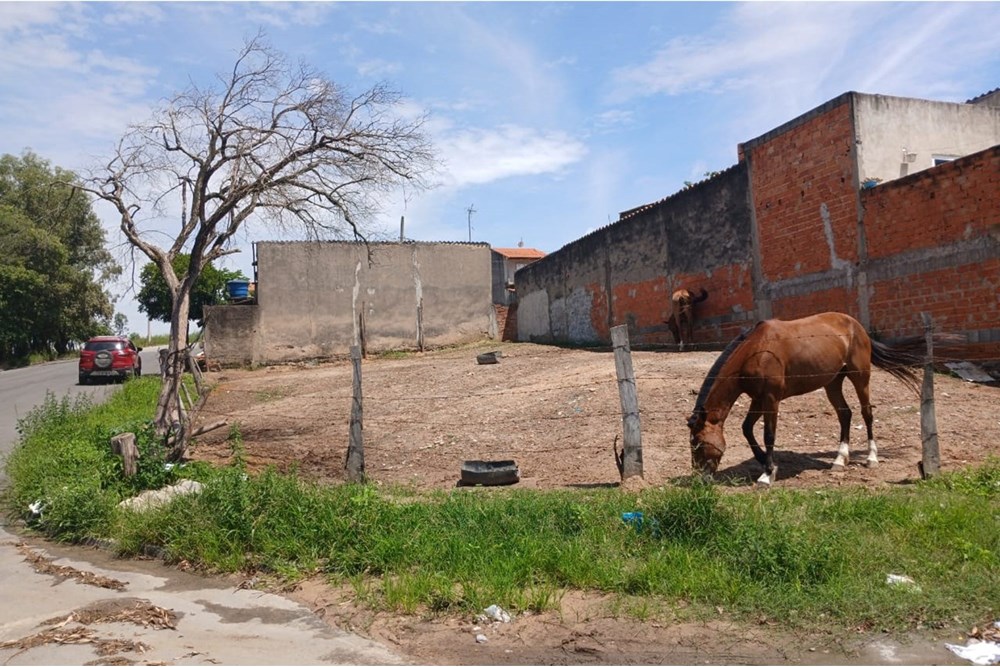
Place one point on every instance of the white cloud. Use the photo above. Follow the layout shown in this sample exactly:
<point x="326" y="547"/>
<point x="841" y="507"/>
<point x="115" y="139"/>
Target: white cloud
<point x="799" y="52"/>
<point x="613" y="119"/>
<point x="478" y="156"/>
<point x="133" y="13"/>
<point x="756" y="40"/>
<point x="283" y="15"/>
<point x="377" y="68"/>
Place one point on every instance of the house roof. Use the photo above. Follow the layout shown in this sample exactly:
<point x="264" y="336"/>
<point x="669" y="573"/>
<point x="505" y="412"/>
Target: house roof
<point x="520" y="253"/>
<point x="983" y="97"/>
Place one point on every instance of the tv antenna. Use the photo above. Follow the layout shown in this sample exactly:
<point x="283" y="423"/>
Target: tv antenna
<point x="470" y="211"/>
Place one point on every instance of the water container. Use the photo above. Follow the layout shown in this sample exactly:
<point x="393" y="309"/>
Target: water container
<point x="238" y="289"/>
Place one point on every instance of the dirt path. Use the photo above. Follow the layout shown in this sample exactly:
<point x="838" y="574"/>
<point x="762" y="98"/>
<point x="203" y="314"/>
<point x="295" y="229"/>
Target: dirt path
<point x="556" y="413"/>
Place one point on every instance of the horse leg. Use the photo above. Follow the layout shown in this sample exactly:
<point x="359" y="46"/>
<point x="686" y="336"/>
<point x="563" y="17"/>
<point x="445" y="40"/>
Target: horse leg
<point x="754" y="414"/>
<point x="860" y="382"/>
<point x="835" y="394"/>
<point x="770" y="409"/>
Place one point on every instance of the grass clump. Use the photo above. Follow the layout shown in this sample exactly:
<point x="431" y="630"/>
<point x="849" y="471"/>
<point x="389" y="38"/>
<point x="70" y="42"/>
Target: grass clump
<point x="795" y="557"/>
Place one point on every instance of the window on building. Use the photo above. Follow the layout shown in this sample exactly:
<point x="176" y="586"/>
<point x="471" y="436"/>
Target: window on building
<point x="941" y="159"/>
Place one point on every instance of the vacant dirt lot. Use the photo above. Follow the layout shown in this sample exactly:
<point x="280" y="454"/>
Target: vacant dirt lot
<point x="556" y="413"/>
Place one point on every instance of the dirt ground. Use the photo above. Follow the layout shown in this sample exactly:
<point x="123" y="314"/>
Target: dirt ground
<point x="556" y="413"/>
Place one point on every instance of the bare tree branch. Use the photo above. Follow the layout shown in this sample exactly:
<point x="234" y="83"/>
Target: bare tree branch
<point x="270" y="141"/>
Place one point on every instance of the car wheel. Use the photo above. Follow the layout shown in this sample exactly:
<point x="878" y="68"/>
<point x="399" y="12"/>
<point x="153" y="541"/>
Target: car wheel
<point x="138" y="370"/>
<point x="83" y="379"/>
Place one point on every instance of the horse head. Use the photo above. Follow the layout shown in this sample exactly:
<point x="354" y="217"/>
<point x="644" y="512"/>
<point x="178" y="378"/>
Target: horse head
<point x="707" y="443"/>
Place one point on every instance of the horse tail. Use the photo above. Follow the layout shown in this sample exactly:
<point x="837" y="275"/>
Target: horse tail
<point x="901" y="358"/>
<point x="701" y="297"/>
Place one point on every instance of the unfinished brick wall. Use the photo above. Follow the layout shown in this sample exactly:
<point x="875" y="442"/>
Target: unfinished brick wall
<point x="626" y="272"/>
<point x="804" y="187"/>
<point x="934" y="246"/>
<point x="786" y="233"/>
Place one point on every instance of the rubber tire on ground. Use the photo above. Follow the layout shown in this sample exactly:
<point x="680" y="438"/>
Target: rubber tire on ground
<point x="489" y="473"/>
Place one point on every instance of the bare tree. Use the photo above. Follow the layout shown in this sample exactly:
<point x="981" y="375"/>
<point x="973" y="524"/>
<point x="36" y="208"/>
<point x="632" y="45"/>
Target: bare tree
<point x="269" y="141"/>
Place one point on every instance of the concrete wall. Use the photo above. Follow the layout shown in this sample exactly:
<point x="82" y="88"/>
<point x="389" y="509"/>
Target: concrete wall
<point x="886" y="125"/>
<point x="501" y="295"/>
<point x="316" y="300"/>
<point x="624" y="273"/>
<point x="231" y="334"/>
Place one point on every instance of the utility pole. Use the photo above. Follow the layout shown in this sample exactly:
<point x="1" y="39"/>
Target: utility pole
<point x="470" y="211"/>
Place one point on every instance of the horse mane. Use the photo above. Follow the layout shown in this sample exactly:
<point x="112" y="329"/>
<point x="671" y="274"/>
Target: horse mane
<point x="713" y="372"/>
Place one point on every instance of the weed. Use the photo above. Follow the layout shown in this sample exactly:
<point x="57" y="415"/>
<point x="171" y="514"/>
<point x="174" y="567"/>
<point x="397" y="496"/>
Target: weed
<point x="784" y="555"/>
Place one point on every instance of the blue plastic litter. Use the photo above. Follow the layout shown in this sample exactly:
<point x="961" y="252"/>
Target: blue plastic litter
<point x="637" y="521"/>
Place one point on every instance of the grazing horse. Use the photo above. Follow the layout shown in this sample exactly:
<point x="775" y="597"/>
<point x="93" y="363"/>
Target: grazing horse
<point x="681" y="320"/>
<point x="775" y="360"/>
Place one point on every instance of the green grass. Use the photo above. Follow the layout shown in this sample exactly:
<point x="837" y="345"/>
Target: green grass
<point x="800" y="558"/>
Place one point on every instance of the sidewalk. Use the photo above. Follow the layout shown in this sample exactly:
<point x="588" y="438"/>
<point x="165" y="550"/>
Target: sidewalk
<point x="84" y="606"/>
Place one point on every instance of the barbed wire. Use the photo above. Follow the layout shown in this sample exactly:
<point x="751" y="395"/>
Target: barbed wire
<point x="553" y="407"/>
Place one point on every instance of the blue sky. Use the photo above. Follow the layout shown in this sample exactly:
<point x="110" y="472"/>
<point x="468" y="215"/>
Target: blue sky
<point x="548" y="118"/>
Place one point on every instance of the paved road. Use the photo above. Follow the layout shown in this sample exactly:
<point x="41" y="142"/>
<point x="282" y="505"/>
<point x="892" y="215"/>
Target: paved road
<point x="23" y="388"/>
<point x="153" y="614"/>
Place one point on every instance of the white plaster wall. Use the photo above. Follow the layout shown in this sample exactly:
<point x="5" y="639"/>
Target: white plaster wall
<point x="886" y="125"/>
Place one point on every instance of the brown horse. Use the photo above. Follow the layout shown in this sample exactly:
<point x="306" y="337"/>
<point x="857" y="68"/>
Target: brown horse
<point x="776" y="360"/>
<point x="681" y="320"/>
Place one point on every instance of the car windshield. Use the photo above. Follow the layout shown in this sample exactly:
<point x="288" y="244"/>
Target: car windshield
<point x="98" y="345"/>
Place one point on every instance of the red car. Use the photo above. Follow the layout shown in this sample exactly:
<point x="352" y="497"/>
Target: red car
<point x="111" y="357"/>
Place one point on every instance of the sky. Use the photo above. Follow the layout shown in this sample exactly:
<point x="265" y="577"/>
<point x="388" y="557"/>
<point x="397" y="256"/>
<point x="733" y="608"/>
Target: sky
<point x="548" y="119"/>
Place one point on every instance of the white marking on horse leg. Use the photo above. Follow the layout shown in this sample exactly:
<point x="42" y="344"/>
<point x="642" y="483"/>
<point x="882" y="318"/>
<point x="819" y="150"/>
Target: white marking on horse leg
<point x="843" y="453"/>
<point x="872" y="459"/>
<point x="764" y="480"/>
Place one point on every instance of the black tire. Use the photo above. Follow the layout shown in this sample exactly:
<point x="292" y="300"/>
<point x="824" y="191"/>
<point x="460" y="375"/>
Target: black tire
<point x="83" y="379"/>
<point x="489" y="473"/>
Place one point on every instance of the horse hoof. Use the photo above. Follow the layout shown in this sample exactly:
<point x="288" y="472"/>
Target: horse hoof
<point x="871" y="464"/>
<point x="837" y="467"/>
<point x="764" y="481"/>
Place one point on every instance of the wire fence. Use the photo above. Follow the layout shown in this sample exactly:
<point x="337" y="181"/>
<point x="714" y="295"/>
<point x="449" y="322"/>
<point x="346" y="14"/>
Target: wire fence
<point x="536" y="402"/>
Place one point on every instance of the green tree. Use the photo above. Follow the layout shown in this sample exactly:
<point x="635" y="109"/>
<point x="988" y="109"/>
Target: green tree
<point x="156" y="300"/>
<point x="53" y="263"/>
<point x="121" y="323"/>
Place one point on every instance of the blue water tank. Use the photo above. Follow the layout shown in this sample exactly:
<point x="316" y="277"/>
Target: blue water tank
<point x="238" y="289"/>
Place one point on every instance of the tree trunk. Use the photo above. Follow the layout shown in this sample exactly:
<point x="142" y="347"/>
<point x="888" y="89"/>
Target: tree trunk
<point x="170" y="420"/>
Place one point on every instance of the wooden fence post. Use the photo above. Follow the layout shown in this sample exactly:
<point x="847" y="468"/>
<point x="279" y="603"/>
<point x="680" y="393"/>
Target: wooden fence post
<point x="355" y="463"/>
<point x="930" y="464"/>
<point x="420" y="324"/>
<point x="631" y="459"/>
<point x="123" y="445"/>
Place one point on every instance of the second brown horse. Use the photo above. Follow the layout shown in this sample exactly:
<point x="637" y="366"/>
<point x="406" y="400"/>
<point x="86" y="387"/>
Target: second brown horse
<point x="778" y="359"/>
<point x="681" y="320"/>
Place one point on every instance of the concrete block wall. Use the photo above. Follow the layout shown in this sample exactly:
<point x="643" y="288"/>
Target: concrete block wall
<point x="317" y="299"/>
<point x="231" y="334"/>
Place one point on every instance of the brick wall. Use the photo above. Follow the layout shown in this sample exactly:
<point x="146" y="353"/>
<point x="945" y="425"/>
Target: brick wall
<point x="625" y="273"/>
<point x="934" y="246"/>
<point x="788" y="233"/>
<point x="805" y="196"/>
<point x="506" y="321"/>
